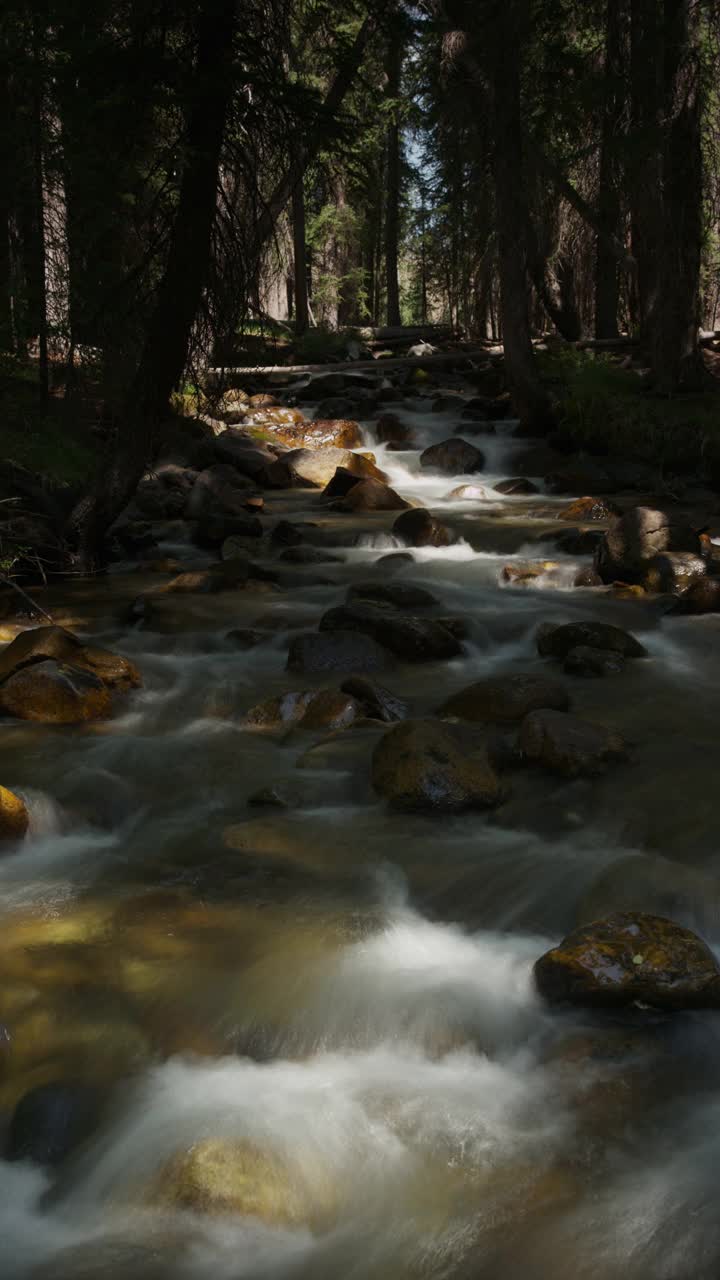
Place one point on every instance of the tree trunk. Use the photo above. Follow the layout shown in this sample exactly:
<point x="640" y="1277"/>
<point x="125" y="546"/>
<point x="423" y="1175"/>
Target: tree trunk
<point x="555" y="287"/>
<point x="607" y="284"/>
<point x="39" y="200"/>
<point x="505" y="34"/>
<point x="645" y="174"/>
<point x="677" y="360"/>
<point x="300" y="258"/>
<point x="165" y="349"/>
<point x="393" y="70"/>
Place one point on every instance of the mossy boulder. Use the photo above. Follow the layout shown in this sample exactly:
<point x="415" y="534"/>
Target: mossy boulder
<point x="412" y="639"/>
<point x="55" y="693"/>
<point x="40" y="643"/>
<point x="629" y="959"/>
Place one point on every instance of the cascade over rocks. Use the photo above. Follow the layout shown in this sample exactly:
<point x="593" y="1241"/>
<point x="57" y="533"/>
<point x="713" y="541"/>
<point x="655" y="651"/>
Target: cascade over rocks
<point x="507" y="699"/>
<point x="421" y="766"/>
<point x="629" y="959"/>
<point x="566" y="745"/>
<point x="454" y="457"/>
<point x="637" y="538"/>
<point x="412" y="639"/>
<point x="557" y="642"/>
<point x="417" y="528"/>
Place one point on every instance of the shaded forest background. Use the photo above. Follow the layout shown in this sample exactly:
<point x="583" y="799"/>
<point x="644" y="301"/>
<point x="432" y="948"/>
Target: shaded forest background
<point x="193" y="185"/>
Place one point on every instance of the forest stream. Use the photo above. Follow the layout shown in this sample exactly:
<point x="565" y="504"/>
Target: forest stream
<point x="300" y="1039"/>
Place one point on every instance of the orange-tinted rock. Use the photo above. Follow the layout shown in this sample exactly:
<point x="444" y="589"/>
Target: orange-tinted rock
<point x="373" y="495"/>
<point x="390" y="428"/>
<point x="54" y="693"/>
<point x="588" y="509"/>
<point x="40" y="643"/>
<point x="417" y="528"/>
<point x="631" y="958"/>
<point x="14" y="817"/>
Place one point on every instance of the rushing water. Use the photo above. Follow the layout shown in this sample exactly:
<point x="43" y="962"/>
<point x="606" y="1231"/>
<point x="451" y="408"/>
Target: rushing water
<point x="345" y="990"/>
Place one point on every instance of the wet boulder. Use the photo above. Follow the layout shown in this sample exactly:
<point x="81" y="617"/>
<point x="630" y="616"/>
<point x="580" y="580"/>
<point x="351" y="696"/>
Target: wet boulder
<point x="409" y="638"/>
<point x="390" y="429"/>
<point x="373" y="495"/>
<point x="507" y="699"/>
<point x="521" y="573"/>
<point x="674" y="572"/>
<point x="315" y="468"/>
<point x="248" y="457"/>
<point x="700" y="597"/>
<point x="588" y="509"/>
<point x="401" y="595"/>
<point x="286" y="709"/>
<point x="330" y="709"/>
<point x="569" y="746"/>
<point x="227" y="575"/>
<point x="323" y="433"/>
<point x="638" y="537"/>
<point x="468" y="493"/>
<point x="162" y="494"/>
<point x="453" y="457"/>
<point x="418" y="528"/>
<point x="335" y="652"/>
<point x="517" y="487"/>
<point x="421" y="766"/>
<point x="377" y="702"/>
<point x="557" y="642"/>
<point x="630" y="959"/>
<point x="579" y="542"/>
<point x="586" y="661"/>
<point x="341" y="483"/>
<point x="219" y="490"/>
<point x="14" y="817"/>
<point x="40" y="643"/>
<point x="587" y="578"/>
<point x="219" y="1176"/>
<point x="51" y="692"/>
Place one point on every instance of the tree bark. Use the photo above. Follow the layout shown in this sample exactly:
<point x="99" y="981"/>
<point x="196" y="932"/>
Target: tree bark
<point x="393" y="70"/>
<point x="677" y="361"/>
<point x="38" y="141"/>
<point x="607" y="284"/>
<point x="166" y="344"/>
<point x="645" y="171"/>
<point x="300" y="259"/>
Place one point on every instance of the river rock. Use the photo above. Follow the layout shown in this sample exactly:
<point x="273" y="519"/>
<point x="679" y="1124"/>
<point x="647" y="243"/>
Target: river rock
<point x="517" y="487"/>
<point x="377" y="702"/>
<point x="586" y="661"/>
<point x="637" y="537"/>
<point x="507" y="699"/>
<point x="14" y="817"/>
<point x="674" y="571"/>
<point x="579" y="542"/>
<point x="218" y="491"/>
<point x="588" y="509"/>
<point x="315" y="468"/>
<point x="287" y="708"/>
<point x="587" y="578"/>
<point x="556" y="642"/>
<point x="701" y="597"/>
<point x="248" y="457"/>
<point x="401" y="595"/>
<point x="341" y="483"/>
<point x="417" y="528"/>
<point x="566" y="745"/>
<point x="220" y="1176"/>
<point x="227" y="575"/>
<point x="409" y="638"/>
<point x="38" y="643"/>
<point x="468" y="493"/>
<point x="330" y="709"/>
<point x="454" y="457"/>
<point x="324" y="433"/>
<point x="53" y="693"/>
<point x="628" y="959"/>
<point x="162" y="494"/>
<point x="335" y="652"/>
<point x="373" y="495"/>
<point x="421" y="765"/>
<point x="51" y="1121"/>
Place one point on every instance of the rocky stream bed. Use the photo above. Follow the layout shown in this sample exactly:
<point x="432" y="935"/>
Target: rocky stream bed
<point x="360" y="876"/>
